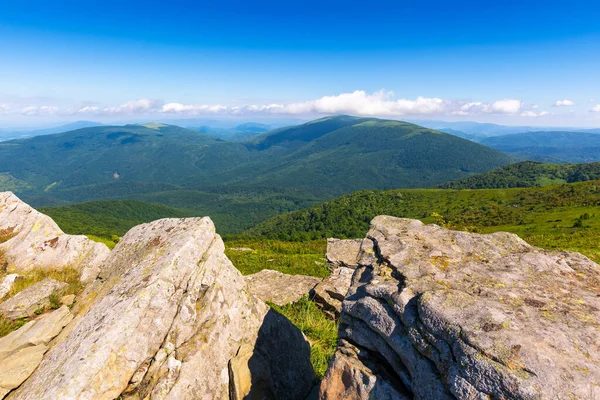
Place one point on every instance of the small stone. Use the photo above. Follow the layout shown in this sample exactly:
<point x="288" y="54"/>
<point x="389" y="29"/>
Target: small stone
<point x="67" y="300"/>
<point x="241" y="249"/>
<point x="279" y="288"/>
<point x="343" y="252"/>
<point x="7" y="284"/>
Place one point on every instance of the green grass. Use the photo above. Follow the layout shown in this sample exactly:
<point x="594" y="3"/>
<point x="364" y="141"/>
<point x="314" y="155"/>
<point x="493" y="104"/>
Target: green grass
<point x="110" y="243"/>
<point x="320" y="331"/>
<point x="546" y="217"/>
<point x="7" y="326"/>
<point x="296" y="258"/>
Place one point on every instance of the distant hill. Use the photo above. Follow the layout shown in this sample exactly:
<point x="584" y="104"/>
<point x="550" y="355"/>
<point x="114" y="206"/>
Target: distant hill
<point x="238" y="133"/>
<point x="7" y="134"/>
<point x="528" y="174"/>
<point x="253" y="127"/>
<point x="339" y="154"/>
<point x="575" y="147"/>
<point x="558" y="216"/>
<point x="478" y="130"/>
<point x="237" y="183"/>
<point x="111" y="154"/>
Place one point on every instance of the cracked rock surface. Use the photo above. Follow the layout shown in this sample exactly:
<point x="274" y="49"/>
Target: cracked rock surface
<point x="36" y="242"/>
<point x="458" y="315"/>
<point x="163" y="319"/>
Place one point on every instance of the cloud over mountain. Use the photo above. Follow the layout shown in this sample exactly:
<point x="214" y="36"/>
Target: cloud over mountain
<point x="381" y="103"/>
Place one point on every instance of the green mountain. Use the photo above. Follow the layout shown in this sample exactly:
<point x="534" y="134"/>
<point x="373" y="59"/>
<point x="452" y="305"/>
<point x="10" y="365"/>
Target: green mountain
<point x="527" y="174"/>
<point x="574" y="147"/>
<point x="556" y="217"/>
<point x="238" y="184"/>
<point x="151" y="153"/>
<point x="337" y="155"/>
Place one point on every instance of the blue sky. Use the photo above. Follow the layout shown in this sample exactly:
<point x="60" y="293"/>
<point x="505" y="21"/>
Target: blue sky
<point x="511" y="62"/>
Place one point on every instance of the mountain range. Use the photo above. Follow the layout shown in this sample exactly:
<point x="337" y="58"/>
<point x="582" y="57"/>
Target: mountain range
<point x="566" y="146"/>
<point x="273" y="172"/>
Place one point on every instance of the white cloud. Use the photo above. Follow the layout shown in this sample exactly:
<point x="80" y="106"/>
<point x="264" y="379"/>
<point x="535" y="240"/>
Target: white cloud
<point x="596" y="109"/>
<point x="360" y="103"/>
<point x="530" y="113"/>
<point x="507" y="106"/>
<point x="179" y="108"/>
<point x="7" y="109"/>
<point x="84" y="110"/>
<point x="564" y="103"/>
<point x="39" y="110"/>
<point x="140" y="106"/>
<point x="378" y="104"/>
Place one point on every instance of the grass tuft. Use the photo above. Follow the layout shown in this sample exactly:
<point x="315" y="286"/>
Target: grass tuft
<point x="322" y="333"/>
<point x="69" y="276"/>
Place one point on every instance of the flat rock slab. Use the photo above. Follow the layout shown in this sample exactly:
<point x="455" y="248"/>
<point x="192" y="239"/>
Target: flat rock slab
<point x="343" y="252"/>
<point x="279" y="288"/>
<point x="38" y="243"/>
<point x="27" y="301"/>
<point x="458" y="315"/>
<point x="163" y="319"/>
<point x="330" y="292"/>
<point x="22" y="351"/>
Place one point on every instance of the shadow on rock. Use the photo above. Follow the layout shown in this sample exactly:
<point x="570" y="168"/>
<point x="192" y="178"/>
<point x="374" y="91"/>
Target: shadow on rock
<point x="277" y="367"/>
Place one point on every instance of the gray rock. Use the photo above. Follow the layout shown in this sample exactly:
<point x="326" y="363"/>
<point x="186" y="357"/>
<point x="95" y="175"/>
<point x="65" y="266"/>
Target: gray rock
<point x="330" y="292"/>
<point x="21" y="351"/>
<point x="163" y="319"/>
<point x="343" y="252"/>
<point x="280" y="288"/>
<point x="27" y="301"/>
<point x="457" y="315"/>
<point x="7" y="284"/>
<point x="351" y="375"/>
<point x="38" y="243"/>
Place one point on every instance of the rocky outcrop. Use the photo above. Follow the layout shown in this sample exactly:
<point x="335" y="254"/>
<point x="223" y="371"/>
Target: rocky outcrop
<point x="456" y="315"/>
<point x="280" y="288"/>
<point x="22" y="350"/>
<point x="26" y="302"/>
<point x="330" y="292"/>
<point x="163" y="320"/>
<point x="7" y="284"/>
<point x="343" y="252"/>
<point x="36" y="242"/>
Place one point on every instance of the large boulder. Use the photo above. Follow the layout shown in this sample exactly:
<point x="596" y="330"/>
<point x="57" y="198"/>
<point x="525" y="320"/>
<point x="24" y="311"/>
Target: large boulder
<point x="279" y="288"/>
<point x="36" y="242"/>
<point x="343" y="252"/>
<point x="21" y="351"/>
<point x="163" y="320"/>
<point x="28" y="301"/>
<point x="457" y="315"/>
